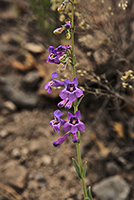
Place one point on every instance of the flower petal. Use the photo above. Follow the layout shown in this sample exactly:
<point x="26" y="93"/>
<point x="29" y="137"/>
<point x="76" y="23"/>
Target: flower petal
<point x="81" y="126"/>
<point x="66" y="82"/>
<point x="75" y="81"/>
<point x="74" y="129"/>
<point x="69" y="115"/>
<point x="55" y="75"/>
<point x="67" y="126"/>
<point x="77" y="115"/>
<point x="75" y="138"/>
<point x="62" y="103"/>
<point x="56" y="60"/>
<point x="60" y="140"/>
<point x="68" y="105"/>
<point x="78" y="92"/>
<point x="63" y="94"/>
<point x="57" y="113"/>
<point x="51" y="49"/>
<point x="71" y="96"/>
<point x="49" y="90"/>
<point x="57" y="83"/>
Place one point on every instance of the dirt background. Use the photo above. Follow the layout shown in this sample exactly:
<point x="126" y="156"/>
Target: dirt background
<point x="30" y="167"/>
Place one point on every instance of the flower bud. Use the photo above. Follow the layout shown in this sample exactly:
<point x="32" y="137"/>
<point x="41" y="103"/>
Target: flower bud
<point x="59" y="30"/>
<point x="68" y="35"/>
<point x="60" y="8"/>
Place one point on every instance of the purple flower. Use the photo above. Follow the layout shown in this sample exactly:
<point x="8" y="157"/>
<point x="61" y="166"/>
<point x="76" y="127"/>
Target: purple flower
<point x="57" y="122"/>
<point x="53" y="57"/>
<point x="67" y="25"/>
<point x="74" y="124"/>
<point x="60" y="140"/>
<point x="71" y="91"/>
<point x="53" y="83"/>
<point x="56" y="53"/>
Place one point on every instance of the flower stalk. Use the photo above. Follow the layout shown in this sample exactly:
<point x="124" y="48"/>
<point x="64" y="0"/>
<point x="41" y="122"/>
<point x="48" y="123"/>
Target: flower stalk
<point x="70" y="96"/>
<point x="76" y="106"/>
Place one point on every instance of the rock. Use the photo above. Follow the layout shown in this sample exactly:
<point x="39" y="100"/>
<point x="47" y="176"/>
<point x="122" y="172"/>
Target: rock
<point x="16" y="153"/>
<point x="4" y="133"/>
<point x="15" y="174"/>
<point x="34" y="146"/>
<point x="10" y="105"/>
<point x="39" y="177"/>
<point x="13" y="93"/>
<point x="113" y="188"/>
<point x="46" y="160"/>
<point x="112" y="168"/>
<point x="31" y="79"/>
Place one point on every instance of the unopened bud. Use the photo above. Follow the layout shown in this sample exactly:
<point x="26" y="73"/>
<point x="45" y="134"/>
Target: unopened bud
<point x="68" y="35"/>
<point x="59" y="30"/>
<point x="60" y="8"/>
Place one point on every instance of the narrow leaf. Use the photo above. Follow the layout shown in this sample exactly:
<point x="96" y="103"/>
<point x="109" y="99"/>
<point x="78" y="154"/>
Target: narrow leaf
<point x="89" y="193"/>
<point x="86" y="198"/>
<point x="76" y="168"/>
<point x="84" y="170"/>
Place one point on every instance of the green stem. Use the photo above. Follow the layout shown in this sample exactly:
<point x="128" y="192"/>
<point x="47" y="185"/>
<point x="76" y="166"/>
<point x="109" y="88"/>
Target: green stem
<point x="72" y="38"/>
<point x="81" y="170"/>
<point x="76" y="106"/>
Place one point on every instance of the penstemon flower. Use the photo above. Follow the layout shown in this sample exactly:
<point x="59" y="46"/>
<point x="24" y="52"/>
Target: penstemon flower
<point x="60" y="140"/>
<point x="74" y="124"/>
<point x="57" y="122"/>
<point x="53" y="83"/>
<point x="56" y="53"/>
<point x="71" y="91"/>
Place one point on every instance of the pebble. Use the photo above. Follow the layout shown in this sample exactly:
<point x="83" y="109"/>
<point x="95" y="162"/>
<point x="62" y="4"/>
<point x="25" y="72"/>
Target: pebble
<point x="31" y="79"/>
<point x="39" y="177"/>
<point x="113" y="188"/>
<point x="4" y="133"/>
<point x="10" y="105"/>
<point x="112" y="168"/>
<point x="46" y="160"/>
<point x="15" y="174"/>
<point x="16" y="153"/>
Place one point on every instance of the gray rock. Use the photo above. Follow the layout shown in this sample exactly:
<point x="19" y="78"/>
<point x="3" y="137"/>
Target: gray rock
<point x="113" y="188"/>
<point x="13" y="93"/>
<point x="112" y="168"/>
<point x="31" y="79"/>
<point x="15" y="174"/>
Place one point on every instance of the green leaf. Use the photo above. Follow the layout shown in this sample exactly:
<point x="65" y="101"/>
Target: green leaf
<point x="84" y="170"/>
<point x="78" y="103"/>
<point x="76" y="168"/>
<point x="89" y="193"/>
<point x="86" y="198"/>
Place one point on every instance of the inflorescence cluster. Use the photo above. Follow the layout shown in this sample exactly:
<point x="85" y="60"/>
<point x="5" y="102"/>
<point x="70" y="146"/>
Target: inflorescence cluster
<point x="70" y="93"/>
